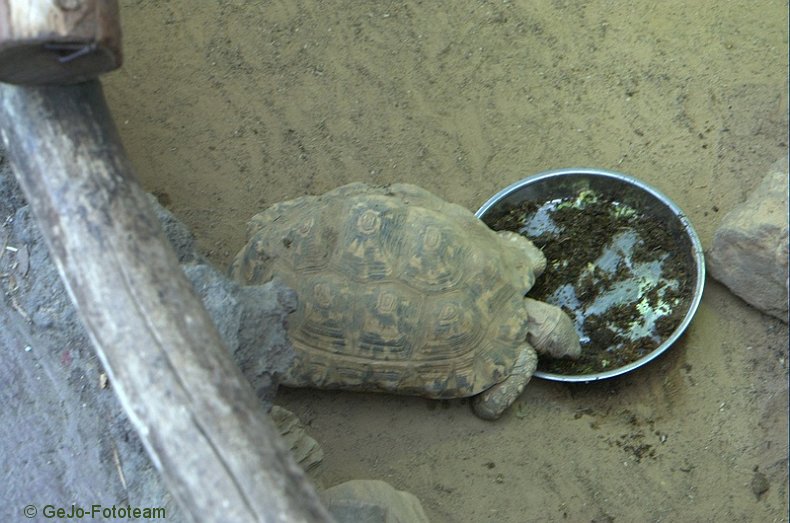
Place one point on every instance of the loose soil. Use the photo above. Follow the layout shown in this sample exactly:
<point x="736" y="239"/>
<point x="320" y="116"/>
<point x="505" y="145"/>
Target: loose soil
<point x="580" y="235"/>
<point x="228" y="107"/>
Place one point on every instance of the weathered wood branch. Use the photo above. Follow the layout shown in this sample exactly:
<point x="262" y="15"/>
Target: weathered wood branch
<point x="199" y="419"/>
<point x="58" y="41"/>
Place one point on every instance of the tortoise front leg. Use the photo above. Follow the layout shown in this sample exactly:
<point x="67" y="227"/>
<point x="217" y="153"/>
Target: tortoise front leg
<point x="491" y="403"/>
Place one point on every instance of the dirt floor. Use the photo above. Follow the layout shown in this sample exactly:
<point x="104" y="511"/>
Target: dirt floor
<point x="227" y="107"/>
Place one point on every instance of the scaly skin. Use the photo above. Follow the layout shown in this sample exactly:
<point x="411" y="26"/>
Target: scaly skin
<point x="551" y="332"/>
<point x="491" y="403"/>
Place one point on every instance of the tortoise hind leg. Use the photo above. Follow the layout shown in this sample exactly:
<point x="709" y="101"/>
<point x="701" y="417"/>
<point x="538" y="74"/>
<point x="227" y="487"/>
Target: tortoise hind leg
<point x="491" y="403"/>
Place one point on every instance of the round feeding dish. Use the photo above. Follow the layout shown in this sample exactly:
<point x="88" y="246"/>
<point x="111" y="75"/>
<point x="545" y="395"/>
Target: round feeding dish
<point x="622" y="260"/>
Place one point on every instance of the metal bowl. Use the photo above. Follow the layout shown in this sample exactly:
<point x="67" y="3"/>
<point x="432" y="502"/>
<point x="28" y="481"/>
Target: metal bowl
<point x="564" y="184"/>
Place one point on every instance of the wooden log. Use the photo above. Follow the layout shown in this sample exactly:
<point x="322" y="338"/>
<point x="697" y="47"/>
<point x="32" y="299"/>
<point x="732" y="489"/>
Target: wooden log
<point x="200" y="421"/>
<point x="58" y="41"/>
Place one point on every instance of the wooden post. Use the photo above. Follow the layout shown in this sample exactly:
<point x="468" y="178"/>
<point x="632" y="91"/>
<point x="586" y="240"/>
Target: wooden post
<point x="58" y="41"/>
<point x="198" y="418"/>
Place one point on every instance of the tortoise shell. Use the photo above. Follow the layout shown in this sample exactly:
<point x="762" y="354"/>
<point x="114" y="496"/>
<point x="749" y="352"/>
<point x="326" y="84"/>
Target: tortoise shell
<point x="399" y="291"/>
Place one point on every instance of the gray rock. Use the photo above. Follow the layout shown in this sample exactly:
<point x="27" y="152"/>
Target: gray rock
<point x="182" y="240"/>
<point x="249" y="318"/>
<point x="750" y="248"/>
<point x="250" y="321"/>
<point x="372" y="501"/>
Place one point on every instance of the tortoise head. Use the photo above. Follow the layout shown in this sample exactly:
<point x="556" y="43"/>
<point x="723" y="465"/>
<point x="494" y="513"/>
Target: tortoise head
<point x="551" y="331"/>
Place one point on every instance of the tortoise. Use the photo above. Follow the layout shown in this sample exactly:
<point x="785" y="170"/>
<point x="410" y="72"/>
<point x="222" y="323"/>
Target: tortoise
<point x="400" y="291"/>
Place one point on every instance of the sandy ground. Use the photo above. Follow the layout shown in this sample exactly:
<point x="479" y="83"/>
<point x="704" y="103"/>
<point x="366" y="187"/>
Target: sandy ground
<point x="226" y="107"/>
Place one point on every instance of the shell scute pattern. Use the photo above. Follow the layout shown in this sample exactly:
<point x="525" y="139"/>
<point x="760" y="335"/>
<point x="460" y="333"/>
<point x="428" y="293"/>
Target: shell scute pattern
<point x="367" y="241"/>
<point x="434" y="257"/>
<point x="323" y="324"/>
<point x="392" y="297"/>
<point x="388" y="317"/>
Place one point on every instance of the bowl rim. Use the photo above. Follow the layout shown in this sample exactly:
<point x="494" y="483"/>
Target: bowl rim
<point x="696" y="246"/>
